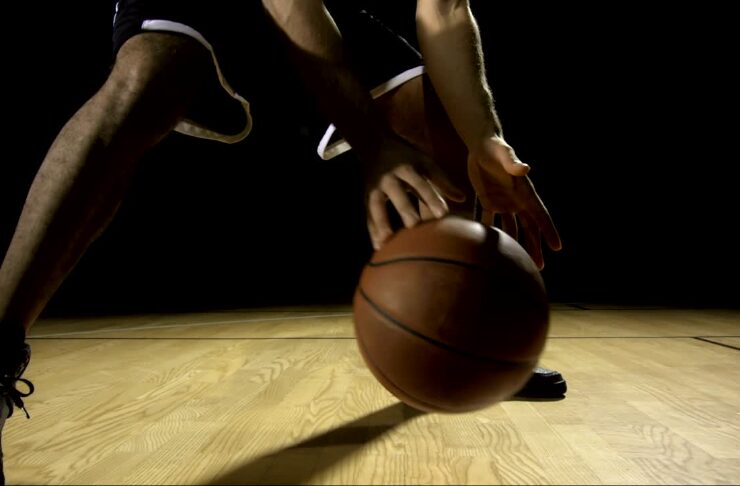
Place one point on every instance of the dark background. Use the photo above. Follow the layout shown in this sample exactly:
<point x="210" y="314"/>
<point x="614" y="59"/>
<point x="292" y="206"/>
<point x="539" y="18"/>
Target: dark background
<point x="621" y="110"/>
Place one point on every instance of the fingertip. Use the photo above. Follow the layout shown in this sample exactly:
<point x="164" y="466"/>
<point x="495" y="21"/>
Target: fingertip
<point x="378" y="243"/>
<point x="377" y="238"/>
<point x="383" y="237"/>
<point x="539" y="261"/>
<point x="410" y="219"/>
<point x="440" y="211"/>
<point x="555" y="243"/>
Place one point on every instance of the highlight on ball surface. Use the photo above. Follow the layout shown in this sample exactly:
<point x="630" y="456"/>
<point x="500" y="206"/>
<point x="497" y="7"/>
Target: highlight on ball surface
<point x="451" y="315"/>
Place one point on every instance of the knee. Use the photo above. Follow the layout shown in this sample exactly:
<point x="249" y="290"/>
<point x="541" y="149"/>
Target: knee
<point x="155" y="74"/>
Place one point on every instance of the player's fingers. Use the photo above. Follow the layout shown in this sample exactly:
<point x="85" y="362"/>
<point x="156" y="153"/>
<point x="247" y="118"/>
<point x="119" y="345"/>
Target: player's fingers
<point x="425" y="190"/>
<point x="424" y="211"/>
<point x="549" y="231"/>
<point x="532" y="239"/>
<point x="541" y="216"/>
<point x="398" y="195"/>
<point x="379" y="225"/>
<point x="372" y="231"/>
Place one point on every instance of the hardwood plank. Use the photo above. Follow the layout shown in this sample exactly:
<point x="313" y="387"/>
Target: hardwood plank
<point x="284" y="397"/>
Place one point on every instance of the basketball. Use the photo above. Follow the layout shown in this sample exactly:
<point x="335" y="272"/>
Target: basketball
<point x="451" y="315"/>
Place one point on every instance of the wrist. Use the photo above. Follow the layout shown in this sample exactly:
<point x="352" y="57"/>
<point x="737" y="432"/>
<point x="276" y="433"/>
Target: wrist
<point x="478" y="134"/>
<point x="483" y="140"/>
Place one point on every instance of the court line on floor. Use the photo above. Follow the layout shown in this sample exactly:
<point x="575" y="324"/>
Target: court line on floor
<point x="187" y="325"/>
<point x="191" y="338"/>
<point x="724" y="345"/>
<point x="52" y="337"/>
<point x="642" y="337"/>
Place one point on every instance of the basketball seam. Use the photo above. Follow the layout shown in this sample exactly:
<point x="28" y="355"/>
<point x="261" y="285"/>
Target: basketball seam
<point x="398" y="389"/>
<point x="447" y="261"/>
<point x="435" y="342"/>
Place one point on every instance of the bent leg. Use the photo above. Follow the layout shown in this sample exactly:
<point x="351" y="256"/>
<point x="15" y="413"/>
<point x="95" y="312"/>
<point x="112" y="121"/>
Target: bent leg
<point x="88" y="168"/>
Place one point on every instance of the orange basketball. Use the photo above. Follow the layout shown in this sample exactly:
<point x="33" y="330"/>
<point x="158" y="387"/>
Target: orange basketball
<point x="451" y="315"/>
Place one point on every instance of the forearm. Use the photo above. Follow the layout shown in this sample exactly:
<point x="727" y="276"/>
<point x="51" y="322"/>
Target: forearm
<point x="316" y="47"/>
<point x="450" y="44"/>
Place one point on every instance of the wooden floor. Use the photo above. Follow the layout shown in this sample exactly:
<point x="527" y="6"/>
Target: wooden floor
<point x="282" y="396"/>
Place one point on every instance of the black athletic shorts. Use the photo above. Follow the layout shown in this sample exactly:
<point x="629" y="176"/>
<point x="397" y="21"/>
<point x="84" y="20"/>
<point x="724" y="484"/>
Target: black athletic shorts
<point x="243" y="45"/>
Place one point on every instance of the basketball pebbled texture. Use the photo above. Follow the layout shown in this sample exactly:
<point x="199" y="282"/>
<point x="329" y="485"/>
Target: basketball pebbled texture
<point x="451" y="315"/>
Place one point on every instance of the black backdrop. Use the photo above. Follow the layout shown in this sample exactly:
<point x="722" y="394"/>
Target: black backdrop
<point x="620" y="110"/>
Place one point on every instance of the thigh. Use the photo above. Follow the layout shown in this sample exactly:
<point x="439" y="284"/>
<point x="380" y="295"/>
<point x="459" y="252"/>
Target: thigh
<point x="154" y="80"/>
<point x="414" y="112"/>
<point x="392" y="70"/>
<point x="233" y="37"/>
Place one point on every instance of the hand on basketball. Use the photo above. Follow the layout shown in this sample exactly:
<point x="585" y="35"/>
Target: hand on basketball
<point x="397" y="171"/>
<point x="503" y="187"/>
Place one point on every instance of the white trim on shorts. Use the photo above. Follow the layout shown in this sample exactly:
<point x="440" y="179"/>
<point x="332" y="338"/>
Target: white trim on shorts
<point x="341" y="146"/>
<point x="189" y="127"/>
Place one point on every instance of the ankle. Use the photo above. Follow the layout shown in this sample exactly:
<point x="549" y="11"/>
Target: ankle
<point x="12" y="344"/>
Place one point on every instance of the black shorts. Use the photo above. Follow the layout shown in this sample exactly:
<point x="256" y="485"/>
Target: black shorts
<point x="246" y="57"/>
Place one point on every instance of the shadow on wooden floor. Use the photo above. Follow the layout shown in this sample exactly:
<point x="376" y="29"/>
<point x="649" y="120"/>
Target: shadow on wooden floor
<point x="298" y="463"/>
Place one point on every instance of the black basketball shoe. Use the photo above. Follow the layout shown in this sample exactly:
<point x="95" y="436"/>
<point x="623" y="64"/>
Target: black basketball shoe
<point x="543" y="383"/>
<point x="13" y="363"/>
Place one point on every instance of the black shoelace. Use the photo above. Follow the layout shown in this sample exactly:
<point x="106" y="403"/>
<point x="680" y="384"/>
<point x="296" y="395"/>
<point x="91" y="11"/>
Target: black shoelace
<point x="13" y="396"/>
<point x="8" y="386"/>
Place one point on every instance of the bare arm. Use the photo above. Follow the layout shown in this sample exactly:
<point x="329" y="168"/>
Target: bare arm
<point x="316" y="46"/>
<point x="391" y="166"/>
<point x="450" y="44"/>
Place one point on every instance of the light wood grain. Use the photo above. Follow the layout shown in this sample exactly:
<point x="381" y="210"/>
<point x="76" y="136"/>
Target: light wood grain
<point x="281" y="396"/>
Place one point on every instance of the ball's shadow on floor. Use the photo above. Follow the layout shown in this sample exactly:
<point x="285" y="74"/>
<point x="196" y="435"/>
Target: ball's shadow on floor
<point x="298" y="463"/>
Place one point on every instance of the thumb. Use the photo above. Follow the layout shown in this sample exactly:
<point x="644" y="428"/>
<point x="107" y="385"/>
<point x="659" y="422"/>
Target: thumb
<point x="510" y="162"/>
<point x="516" y="168"/>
